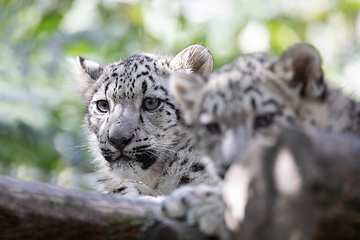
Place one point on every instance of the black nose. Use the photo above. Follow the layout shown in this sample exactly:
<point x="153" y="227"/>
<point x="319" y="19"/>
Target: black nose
<point x="119" y="142"/>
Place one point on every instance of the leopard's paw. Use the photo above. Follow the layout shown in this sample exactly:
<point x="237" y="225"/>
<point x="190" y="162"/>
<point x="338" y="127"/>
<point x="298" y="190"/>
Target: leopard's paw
<point x="200" y="205"/>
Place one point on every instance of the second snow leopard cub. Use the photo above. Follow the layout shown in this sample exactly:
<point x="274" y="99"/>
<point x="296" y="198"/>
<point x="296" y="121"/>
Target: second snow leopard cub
<point x="255" y="92"/>
<point x="242" y="100"/>
<point x="133" y="125"/>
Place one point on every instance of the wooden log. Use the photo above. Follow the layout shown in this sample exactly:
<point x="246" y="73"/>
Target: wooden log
<point x="31" y="210"/>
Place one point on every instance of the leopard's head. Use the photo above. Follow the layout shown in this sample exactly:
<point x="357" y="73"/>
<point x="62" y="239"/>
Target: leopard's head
<point x="247" y="98"/>
<point x="132" y="122"/>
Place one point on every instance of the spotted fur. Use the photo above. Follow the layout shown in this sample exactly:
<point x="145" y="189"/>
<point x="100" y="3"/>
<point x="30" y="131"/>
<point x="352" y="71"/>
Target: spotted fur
<point x="253" y="93"/>
<point x="242" y="101"/>
<point x="139" y="143"/>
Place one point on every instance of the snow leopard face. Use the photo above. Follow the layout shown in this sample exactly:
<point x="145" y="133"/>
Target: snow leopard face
<point x="133" y="124"/>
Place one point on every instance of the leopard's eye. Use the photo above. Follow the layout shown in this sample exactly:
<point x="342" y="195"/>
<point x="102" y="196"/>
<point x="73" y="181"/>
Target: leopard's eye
<point x="102" y="106"/>
<point x="151" y="104"/>
<point x="264" y="120"/>
<point x="213" y="128"/>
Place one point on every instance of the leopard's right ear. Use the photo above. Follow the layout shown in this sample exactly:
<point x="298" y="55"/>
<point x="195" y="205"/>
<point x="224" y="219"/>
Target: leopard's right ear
<point x="188" y="90"/>
<point x="193" y="59"/>
<point x="86" y="73"/>
<point x="301" y="64"/>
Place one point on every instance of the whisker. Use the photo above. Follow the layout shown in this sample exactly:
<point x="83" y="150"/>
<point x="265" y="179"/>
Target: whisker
<point x="167" y="149"/>
<point x="77" y="152"/>
<point x="147" y="153"/>
<point x="151" y="152"/>
<point x="164" y="146"/>
<point x="80" y="146"/>
<point x="167" y="145"/>
<point x="164" y="154"/>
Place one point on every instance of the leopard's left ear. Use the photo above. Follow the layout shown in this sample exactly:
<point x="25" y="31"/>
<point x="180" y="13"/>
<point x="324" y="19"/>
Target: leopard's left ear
<point x="301" y="65"/>
<point x="86" y="73"/>
<point x="193" y="59"/>
<point x="188" y="91"/>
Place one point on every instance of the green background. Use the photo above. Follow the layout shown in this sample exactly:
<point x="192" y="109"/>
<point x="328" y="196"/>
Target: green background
<point x="40" y="113"/>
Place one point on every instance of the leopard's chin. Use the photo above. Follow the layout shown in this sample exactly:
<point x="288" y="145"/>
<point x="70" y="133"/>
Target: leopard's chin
<point x="121" y="160"/>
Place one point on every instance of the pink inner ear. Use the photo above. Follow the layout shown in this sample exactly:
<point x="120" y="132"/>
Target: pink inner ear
<point x="306" y="66"/>
<point x="301" y="70"/>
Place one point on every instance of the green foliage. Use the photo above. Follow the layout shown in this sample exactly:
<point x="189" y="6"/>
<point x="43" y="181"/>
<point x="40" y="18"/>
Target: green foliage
<point x="40" y="114"/>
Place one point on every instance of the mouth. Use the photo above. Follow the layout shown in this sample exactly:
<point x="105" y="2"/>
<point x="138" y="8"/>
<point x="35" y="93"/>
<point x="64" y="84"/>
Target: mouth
<point x="146" y="159"/>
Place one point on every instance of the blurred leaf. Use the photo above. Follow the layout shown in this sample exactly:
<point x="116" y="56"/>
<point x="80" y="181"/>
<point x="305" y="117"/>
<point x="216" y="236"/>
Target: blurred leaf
<point x="81" y="47"/>
<point x="349" y="7"/>
<point x="134" y="15"/>
<point x="50" y="22"/>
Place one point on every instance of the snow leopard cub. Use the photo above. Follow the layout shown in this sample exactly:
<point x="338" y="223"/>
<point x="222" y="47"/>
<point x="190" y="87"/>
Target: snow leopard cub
<point x="135" y="133"/>
<point x="239" y="103"/>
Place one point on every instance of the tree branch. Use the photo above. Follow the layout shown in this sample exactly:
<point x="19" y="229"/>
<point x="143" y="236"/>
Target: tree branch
<point x="31" y="210"/>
